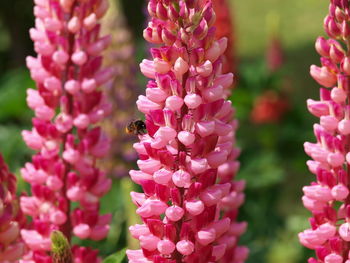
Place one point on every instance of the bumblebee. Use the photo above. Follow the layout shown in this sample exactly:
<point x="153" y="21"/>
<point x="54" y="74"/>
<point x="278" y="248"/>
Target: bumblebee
<point x="137" y="127"/>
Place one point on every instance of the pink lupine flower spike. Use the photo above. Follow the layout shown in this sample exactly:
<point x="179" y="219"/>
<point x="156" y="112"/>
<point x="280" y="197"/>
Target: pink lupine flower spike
<point x="188" y="159"/>
<point x="68" y="105"/>
<point x="327" y="198"/>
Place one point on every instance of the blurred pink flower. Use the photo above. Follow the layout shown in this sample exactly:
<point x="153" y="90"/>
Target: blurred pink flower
<point x="122" y="91"/>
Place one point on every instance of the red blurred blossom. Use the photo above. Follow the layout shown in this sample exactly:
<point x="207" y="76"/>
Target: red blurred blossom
<point x="270" y="107"/>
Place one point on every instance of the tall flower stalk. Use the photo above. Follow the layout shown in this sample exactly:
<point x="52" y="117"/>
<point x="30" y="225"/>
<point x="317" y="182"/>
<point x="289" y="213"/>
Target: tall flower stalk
<point x="68" y="105"/>
<point x="328" y="196"/>
<point x="188" y="158"/>
<point x="11" y="218"/>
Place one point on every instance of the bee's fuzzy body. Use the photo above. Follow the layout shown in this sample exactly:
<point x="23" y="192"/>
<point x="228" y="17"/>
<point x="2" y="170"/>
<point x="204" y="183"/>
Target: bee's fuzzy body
<point x="137" y="127"/>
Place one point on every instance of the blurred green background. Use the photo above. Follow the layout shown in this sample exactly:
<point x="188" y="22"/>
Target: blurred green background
<point x="272" y="160"/>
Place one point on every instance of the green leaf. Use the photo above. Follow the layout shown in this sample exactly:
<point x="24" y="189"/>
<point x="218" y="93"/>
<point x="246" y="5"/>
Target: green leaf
<point x="116" y="258"/>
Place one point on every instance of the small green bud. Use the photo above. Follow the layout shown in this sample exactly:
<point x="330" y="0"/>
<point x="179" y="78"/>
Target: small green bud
<point x="61" y="251"/>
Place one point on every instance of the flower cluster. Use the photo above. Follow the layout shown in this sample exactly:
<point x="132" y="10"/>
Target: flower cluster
<point x="11" y="219"/>
<point x="122" y="91"/>
<point x="328" y="197"/>
<point x="68" y="104"/>
<point x="188" y="158"/>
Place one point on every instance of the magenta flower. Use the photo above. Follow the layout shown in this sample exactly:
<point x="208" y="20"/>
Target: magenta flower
<point x="11" y="218"/>
<point x="68" y="105"/>
<point x="188" y="158"/>
<point x="328" y="197"/>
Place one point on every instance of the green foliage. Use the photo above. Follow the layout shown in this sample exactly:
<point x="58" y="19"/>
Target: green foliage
<point x="12" y="146"/>
<point x="116" y="258"/>
<point x="13" y="96"/>
<point x="14" y="116"/>
<point x="286" y="248"/>
<point x="272" y="157"/>
<point x="263" y="170"/>
<point x="300" y="23"/>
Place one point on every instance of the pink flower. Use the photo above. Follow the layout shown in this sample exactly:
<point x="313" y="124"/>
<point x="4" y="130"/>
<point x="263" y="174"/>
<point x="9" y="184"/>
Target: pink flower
<point x="327" y="198"/>
<point x="187" y="160"/>
<point x="68" y="104"/>
<point x="323" y="76"/>
<point x="11" y="220"/>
